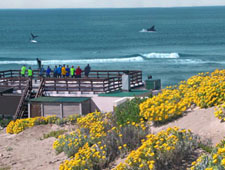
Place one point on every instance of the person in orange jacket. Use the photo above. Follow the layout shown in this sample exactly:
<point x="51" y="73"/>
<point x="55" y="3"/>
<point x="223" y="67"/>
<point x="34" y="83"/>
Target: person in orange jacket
<point x="64" y="71"/>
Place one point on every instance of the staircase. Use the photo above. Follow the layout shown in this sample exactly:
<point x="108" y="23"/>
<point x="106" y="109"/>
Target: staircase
<point x="22" y="110"/>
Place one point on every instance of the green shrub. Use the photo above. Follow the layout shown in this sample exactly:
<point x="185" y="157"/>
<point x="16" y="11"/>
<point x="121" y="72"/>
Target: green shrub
<point x="55" y="134"/>
<point x="5" y="121"/>
<point x="128" y="111"/>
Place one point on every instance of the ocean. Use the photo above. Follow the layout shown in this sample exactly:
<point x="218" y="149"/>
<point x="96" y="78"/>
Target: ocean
<point x="187" y="40"/>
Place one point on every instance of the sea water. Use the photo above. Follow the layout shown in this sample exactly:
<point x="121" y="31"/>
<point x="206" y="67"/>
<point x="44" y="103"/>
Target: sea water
<point x="187" y="40"/>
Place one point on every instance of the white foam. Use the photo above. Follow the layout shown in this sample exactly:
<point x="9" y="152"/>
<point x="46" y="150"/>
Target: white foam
<point x="144" y="30"/>
<point x="49" y="62"/>
<point x="161" y="55"/>
<point x="194" y="61"/>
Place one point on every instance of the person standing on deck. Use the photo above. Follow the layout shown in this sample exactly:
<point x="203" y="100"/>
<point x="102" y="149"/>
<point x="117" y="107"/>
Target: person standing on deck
<point x="64" y="71"/>
<point x="42" y="70"/>
<point x="39" y="63"/>
<point x="72" y="70"/>
<point x="78" y="72"/>
<point x="87" y="70"/>
<point x="67" y="71"/>
<point x="55" y="72"/>
<point x="59" y="71"/>
<point x="30" y="72"/>
<point x="23" y="70"/>
<point x="48" y="71"/>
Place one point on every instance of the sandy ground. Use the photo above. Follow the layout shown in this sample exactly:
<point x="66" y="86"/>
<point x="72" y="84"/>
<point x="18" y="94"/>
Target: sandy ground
<point x="26" y="151"/>
<point x="201" y="122"/>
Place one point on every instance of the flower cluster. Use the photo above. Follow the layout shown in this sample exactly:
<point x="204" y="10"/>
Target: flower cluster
<point x="87" y="157"/>
<point x="19" y="125"/>
<point x="204" y="90"/>
<point x="70" y="143"/>
<point x="95" y="123"/>
<point x="98" y="141"/>
<point x="164" y="106"/>
<point x="216" y="160"/>
<point x="220" y="112"/>
<point x="162" y="149"/>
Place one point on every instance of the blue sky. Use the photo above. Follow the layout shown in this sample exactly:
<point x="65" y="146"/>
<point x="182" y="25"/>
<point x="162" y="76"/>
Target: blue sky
<point x="106" y="3"/>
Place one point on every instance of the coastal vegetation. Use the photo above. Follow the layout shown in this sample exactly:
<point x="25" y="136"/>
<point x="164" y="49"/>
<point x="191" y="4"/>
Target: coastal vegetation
<point x="203" y="90"/>
<point x="19" y="125"/>
<point x="101" y="138"/>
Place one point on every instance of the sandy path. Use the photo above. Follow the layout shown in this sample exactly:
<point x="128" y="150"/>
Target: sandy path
<point x="201" y="122"/>
<point x="26" y="150"/>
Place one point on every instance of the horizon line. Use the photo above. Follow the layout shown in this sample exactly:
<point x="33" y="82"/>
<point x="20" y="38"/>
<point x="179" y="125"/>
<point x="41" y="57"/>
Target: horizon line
<point x="44" y="8"/>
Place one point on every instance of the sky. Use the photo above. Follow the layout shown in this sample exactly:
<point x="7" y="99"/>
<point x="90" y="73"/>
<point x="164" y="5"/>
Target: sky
<point x="106" y="3"/>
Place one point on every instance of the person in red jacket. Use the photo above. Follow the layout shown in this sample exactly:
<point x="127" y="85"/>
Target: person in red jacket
<point x="78" y="72"/>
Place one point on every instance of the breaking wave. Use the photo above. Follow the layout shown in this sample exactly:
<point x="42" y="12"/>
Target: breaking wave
<point x="161" y="55"/>
<point x="84" y="61"/>
<point x="170" y="58"/>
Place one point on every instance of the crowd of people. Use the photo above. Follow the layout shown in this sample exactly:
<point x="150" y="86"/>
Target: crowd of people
<point x="58" y="71"/>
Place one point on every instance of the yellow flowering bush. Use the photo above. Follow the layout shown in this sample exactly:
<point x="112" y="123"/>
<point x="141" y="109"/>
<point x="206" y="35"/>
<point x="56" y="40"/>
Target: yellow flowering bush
<point x="214" y="161"/>
<point x="161" y="151"/>
<point x="70" y="143"/>
<point x="98" y="130"/>
<point x="166" y="105"/>
<point x="87" y="158"/>
<point x="220" y="112"/>
<point x="204" y="90"/>
<point x="96" y="124"/>
<point x="19" y="125"/>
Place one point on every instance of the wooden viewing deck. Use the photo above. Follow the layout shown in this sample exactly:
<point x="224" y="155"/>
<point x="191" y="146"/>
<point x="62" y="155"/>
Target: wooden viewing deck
<point x="99" y="81"/>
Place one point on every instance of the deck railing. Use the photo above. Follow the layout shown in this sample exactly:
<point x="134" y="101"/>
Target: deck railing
<point x="17" y="83"/>
<point x="98" y="81"/>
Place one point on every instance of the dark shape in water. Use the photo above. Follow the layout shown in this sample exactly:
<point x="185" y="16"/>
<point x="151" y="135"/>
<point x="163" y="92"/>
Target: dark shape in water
<point x="33" y="36"/>
<point x="152" y="29"/>
<point x="32" y="40"/>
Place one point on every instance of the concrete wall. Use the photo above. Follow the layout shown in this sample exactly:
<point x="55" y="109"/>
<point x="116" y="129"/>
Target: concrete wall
<point x="9" y="104"/>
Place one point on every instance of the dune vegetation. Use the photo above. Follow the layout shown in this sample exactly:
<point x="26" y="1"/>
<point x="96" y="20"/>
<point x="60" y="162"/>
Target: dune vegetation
<point x="101" y="138"/>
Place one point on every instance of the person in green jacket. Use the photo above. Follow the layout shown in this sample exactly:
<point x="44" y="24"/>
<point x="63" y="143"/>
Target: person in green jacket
<point x="23" y="70"/>
<point x="72" y="70"/>
<point x="30" y="72"/>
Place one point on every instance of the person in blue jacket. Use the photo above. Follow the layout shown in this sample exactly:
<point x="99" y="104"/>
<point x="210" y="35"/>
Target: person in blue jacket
<point x="67" y="71"/>
<point x="59" y="71"/>
<point x="48" y="71"/>
<point x="55" y="72"/>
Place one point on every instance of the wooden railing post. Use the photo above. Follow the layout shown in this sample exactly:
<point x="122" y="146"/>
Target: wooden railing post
<point x="92" y="89"/>
<point x="55" y="84"/>
<point x="97" y="74"/>
<point x="79" y="85"/>
<point x="67" y="84"/>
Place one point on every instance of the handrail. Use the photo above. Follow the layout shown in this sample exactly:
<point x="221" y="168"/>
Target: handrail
<point x="40" y="89"/>
<point x="24" y="96"/>
<point x="93" y="73"/>
<point x="109" y="80"/>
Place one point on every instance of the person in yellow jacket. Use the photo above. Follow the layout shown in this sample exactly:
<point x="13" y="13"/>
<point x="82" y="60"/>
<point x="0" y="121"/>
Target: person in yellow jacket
<point x="64" y="71"/>
<point x="30" y="72"/>
<point x="72" y="71"/>
<point x="23" y="70"/>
